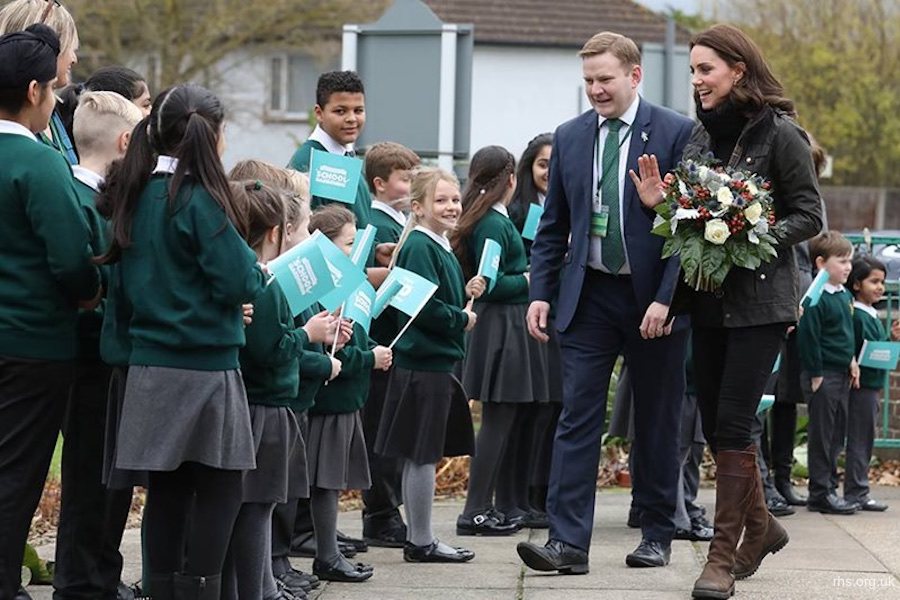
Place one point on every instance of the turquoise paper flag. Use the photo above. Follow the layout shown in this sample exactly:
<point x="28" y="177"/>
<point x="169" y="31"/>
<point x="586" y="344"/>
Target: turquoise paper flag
<point x="879" y="355"/>
<point x="414" y="293"/>
<point x="777" y="363"/>
<point x="358" y="307"/>
<point x="345" y="275"/>
<point x="386" y="292"/>
<point x="334" y="176"/>
<point x="765" y="403"/>
<point x="303" y="274"/>
<point x="814" y="293"/>
<point x="362" y="245"/>
<point x="490" y="262"/>
<point x="535" y="212"/>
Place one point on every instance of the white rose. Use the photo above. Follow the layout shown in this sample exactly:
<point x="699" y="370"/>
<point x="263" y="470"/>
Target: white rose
<point x="753" y="213"/>
<point x="724" y="196"/>
<point x="751" y="187"/>
<point x="703" y="172"/>
<point x="716" y="232"/>
<point x="725" y="177"/>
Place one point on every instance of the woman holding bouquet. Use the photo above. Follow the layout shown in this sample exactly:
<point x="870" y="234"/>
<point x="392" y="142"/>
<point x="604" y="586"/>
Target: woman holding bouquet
<point x="746" y="124"/>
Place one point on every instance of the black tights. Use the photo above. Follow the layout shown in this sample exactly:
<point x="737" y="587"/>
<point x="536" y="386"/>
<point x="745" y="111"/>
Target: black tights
<point x="497" y="420"/>
<point x="731" y="369"/>
<point x="189" y="517"/>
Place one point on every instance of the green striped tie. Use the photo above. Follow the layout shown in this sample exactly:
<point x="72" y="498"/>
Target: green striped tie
<point x="611" y="247"/>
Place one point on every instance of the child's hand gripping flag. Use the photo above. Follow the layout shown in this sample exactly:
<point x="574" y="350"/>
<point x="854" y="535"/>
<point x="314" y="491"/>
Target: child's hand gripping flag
<point x="406" y="291"/>
<point x="303" y="274"/>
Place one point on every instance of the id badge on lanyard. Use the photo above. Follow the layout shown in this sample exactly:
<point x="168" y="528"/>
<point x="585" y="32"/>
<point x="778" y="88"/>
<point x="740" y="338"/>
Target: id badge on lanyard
<point x="600" y="211"/>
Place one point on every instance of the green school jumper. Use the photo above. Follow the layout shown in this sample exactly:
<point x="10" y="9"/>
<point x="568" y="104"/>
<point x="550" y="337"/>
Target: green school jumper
<point x="90" y="322"/>
<point x="436" y="339"/>
<point x="315" y="366"/>
<point x="511" y="286"/>
<point x="362" y="208"/>
<point x="270" y="363"/>
<point x="825" y="338"/>
<point x="186" y="275"/>
<point x="45" y="256"/>
<point x="868" y="327"/>
<point x="349" y="391"/>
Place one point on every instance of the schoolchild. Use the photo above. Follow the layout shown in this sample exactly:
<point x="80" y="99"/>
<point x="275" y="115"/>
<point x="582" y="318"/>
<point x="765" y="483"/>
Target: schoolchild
<point x="271" y="374"/>
<point x="19" y="14"/>
<point x="186" y="271"/>
<point x="315" y="368"/>
<point x="114" y="78"/>
<point x="825" y="343"/>
<point x="532" y="178"/>
<point x="337" y="446"/>
<point x="388" y="172"/>
<point x="867" y="285"/>
<point x="92" y="518"/>
<point x="426" y="414"/>
<point x="46" y="270"/>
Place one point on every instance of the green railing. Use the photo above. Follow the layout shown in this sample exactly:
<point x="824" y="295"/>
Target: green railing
<point x="892" y="298"/>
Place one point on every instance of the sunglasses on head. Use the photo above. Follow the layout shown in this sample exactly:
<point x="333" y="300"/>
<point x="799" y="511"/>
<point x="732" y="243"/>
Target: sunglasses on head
<point x="50" y="5"/>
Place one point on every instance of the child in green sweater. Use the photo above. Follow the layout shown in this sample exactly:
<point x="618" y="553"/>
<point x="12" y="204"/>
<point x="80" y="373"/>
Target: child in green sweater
<point x="337" y="445"/>
<point x="389" y="173"/>
<point x="426" y="414"/>
<point x="825" y="342"/>
<point x="867" y="283"/>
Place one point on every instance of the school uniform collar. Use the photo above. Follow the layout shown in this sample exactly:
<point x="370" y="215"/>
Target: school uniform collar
<point x="441" y="240"/>
<point x="389" y="211"/>
<point x="628" y="117"/>
<point x="501" y="208"/>
<point x="541" y="198"/>
<point x="869" y="310"/>
<point x="13" y="128"/>
<point x="165" y="164"/>
<point x="330" y="144"/>
<point x="834" y="289"/>
<point x="87" y="177"/>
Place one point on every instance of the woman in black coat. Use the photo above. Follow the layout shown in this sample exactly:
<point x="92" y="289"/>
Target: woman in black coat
<point x="746" y="123"/>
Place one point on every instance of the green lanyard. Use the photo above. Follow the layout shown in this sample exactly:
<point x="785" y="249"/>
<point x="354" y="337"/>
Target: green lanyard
<point x="599" y="157"/>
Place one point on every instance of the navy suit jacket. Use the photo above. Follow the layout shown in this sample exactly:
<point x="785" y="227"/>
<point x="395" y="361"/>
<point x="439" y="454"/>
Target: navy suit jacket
<point x="559" y="255"/>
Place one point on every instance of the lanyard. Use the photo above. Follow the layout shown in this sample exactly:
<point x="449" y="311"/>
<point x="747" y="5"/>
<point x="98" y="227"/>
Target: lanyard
<point x="606" y="168"/>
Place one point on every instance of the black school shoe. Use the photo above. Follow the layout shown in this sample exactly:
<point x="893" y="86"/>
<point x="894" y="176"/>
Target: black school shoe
<point x="393" y="536"/>
<point x="649" y="553"/>
<point x="488" y="523"/>
<point x="554" y="556"/>
<point x="433" y="554"/>
<point x="779" y="507"/>
<point x="536" y="519"/>
<point x="831" y="504"/>
<point x="870" y="504"/>
<point x="306" y="548"/>
<point x="700" y="531"/>
<point x="357" y="544"/>
<point x="342" y="570"/>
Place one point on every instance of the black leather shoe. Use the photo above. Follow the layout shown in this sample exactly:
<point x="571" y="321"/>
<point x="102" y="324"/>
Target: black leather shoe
<point x="508" y="519"/>
<point x="394" y="537"/>
<point x="287" y="593"/>
<point x="489" y="523"/>
<point x="305" y="547"/>
<point x="779" y="507"/>
<point x="536" y="519"/>
<point x="831" y="505"/>
<point x="649" y="554"/>
<point x="870" y="504"/>
<point x="296" y="581"/>
<point x="432" y="553"/>
<point x="700" y="531"/>
<point x="357" y="544"/>
<point x="554" y="556"/>
<point x="790" y="495"/>
<point x="341" y="570"/>
<point x="634" y="517"/>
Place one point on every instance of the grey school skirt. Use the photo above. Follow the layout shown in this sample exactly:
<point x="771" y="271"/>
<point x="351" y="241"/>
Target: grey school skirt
<point x="173" y="416"/>
<point x="337" y="452"/>
<point x="503" y="363"/>
<point x="426" y="417"/>
<point x="275" y="436"/>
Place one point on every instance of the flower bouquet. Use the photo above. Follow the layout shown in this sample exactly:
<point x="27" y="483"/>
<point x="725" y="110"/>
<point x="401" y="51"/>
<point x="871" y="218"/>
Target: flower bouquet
<point x="715" y="219"/>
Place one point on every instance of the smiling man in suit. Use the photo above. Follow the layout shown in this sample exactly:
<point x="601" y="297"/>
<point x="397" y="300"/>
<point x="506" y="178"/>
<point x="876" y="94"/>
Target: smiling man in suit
<point x="595" y="254"/>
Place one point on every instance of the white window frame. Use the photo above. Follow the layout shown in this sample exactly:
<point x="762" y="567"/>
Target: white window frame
<point x="281" y="113"/>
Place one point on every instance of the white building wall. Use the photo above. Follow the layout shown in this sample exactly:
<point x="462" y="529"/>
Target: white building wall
<point x="519" y="92"/>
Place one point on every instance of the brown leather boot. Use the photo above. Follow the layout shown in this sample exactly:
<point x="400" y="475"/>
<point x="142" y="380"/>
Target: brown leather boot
<point x="763" y="534"/>
<point x="734" y="490"/>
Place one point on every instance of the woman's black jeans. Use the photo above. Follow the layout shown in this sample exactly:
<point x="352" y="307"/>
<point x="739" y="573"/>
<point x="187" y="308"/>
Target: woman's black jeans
<point x="731" y="369"/>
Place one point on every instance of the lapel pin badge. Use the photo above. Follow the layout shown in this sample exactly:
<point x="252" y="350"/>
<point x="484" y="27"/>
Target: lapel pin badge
<point x="644" y="136"/>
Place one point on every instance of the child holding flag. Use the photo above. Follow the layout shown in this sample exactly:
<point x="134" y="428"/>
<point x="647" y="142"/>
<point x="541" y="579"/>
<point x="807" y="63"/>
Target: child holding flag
<point x="867" y="285"/>
<point x="336" y="447"/>
<point x="505" y="368"/>
<point x="426" y="414"/>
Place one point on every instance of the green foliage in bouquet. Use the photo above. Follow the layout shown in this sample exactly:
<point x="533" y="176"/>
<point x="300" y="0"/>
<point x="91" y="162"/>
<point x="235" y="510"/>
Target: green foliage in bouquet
<point x="714" y="219"/>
